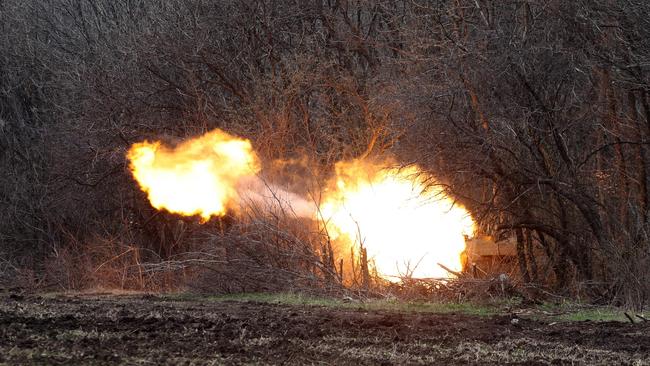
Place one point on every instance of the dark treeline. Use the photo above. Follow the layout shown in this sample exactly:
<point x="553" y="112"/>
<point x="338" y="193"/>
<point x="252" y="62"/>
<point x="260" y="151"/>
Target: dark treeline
<point x="535" y="114"/>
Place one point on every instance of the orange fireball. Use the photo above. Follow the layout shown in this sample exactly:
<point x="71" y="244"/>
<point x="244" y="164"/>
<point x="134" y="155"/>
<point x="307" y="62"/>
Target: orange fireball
<point x="197" y="177"/>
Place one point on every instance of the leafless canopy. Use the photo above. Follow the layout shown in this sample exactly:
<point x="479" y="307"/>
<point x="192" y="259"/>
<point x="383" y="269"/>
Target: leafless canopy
<point x="534" y="114"/>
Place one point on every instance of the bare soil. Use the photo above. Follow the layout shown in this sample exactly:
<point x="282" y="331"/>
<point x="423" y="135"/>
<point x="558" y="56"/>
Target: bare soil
<point x="146" y="330"/>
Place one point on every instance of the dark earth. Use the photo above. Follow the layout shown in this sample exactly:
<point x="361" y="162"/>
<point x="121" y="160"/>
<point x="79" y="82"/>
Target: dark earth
<point x="152" y="330"/>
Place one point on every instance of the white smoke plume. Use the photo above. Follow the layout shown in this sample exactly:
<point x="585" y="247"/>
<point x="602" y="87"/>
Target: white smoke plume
<point x="269" y="197"/>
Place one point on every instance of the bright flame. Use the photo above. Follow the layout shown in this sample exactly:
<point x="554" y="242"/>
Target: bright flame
<point x="406" y="224"/>
<point x="197" y="177"/>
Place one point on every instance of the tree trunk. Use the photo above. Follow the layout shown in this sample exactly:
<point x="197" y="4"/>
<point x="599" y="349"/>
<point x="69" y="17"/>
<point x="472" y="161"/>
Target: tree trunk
<point x="521" y="255"/>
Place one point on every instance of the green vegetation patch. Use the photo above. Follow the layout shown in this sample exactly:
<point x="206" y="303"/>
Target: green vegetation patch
<point x="549" y="312"/>
<point x="396" y="305"/>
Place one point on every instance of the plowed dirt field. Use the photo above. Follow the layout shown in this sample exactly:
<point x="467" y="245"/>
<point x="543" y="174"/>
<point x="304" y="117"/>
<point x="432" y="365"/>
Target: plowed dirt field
<point x="151" y="330"/>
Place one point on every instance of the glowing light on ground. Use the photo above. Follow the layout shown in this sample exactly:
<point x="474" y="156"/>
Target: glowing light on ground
<point x="197" y="177"/>
<point x="406" y="225"/>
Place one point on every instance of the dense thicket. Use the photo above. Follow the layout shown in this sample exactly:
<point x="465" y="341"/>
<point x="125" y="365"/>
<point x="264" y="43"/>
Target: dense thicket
<point x="535" y="114"/>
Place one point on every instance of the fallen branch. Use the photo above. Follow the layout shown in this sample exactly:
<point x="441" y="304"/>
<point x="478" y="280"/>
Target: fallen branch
<point x="457" y="274"/>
